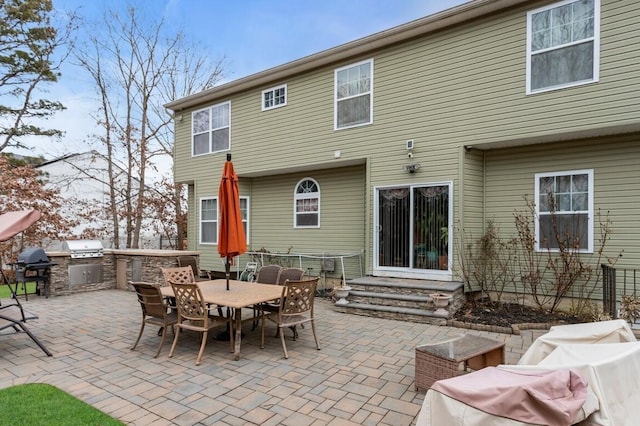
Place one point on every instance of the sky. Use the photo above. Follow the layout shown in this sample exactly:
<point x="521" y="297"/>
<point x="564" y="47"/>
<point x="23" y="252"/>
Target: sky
<point x="252" y="36"/>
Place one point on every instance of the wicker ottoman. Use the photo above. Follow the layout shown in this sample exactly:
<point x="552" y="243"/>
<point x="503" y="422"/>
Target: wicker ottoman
<point x="447" y="359"/>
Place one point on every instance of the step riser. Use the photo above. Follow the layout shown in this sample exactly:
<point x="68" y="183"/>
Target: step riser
<point x="384" y="297"/>
<point x="408" y="291"/>
<point x="393" y="315"/>
<point x="390" y="302"/>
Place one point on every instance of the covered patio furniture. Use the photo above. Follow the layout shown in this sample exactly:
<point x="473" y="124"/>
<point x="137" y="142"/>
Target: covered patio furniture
<point x="194" y="315"/>
<point x="495" y="396"/>
<point x="614" y="331"/>
<point x="296" y="308"/>
<point x="611" y="370"/>
<point x="155" y="311"/>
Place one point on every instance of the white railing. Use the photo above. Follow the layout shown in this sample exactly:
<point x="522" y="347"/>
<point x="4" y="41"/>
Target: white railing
<point x="301" y="259"/>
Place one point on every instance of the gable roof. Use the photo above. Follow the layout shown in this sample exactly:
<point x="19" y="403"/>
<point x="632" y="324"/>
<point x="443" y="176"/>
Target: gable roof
<point x="453" y="16"/>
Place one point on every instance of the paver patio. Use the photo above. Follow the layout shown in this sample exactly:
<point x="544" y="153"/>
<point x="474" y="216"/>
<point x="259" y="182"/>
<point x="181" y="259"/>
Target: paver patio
<point x="363" y="375"/>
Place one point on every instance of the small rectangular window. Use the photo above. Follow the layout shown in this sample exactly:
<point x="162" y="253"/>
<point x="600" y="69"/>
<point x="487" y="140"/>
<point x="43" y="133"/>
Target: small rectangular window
<point x="274" y="97"/>
<point x="211" y="128"/>
<point x="563" y="44"/>
<point x="564" y="210"/>
<point x="353" y="95"/>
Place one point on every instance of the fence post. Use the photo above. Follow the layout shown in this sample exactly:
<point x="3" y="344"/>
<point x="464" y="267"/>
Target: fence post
<point x="609" y="291"/>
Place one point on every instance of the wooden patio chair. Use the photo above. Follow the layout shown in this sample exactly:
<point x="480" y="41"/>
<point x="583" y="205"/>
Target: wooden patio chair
<point x="269" y="274"/>
<point x="291" y="274"/>
<point x="286" y="274"/>
<point x="296" y="308"/>
<point x="180" y="275"/>
<point x="194" y="315"/>
<point x="155" y="310"/>
<point x="192" y="262"/>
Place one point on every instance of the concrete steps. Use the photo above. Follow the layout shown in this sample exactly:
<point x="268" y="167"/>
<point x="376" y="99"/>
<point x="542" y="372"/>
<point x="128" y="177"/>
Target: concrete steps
<point x="401" y="299"/>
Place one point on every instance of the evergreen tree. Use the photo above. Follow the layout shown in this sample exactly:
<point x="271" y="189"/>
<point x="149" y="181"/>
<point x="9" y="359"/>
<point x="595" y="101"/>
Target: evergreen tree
<point x="30" y="56"/>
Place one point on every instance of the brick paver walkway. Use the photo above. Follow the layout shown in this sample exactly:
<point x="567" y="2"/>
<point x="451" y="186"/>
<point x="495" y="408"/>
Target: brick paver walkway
<point x="363" y="375"/>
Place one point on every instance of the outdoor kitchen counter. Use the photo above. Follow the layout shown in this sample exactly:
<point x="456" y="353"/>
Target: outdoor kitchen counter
<point x="117" y="268"/>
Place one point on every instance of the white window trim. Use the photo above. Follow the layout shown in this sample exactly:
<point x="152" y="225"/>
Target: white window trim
<point x="590" y="212"/>
<point x="211" y="151"/>
<point x="430" y="274"/>
<point x="200" y="221"/>
<point x="297" y="197"/>
<point x="273" y="89"/>
<point x="335" y="95"/>
<point x="596" y="49"/>
<point x="247" y="219"/>
<point x="217" y="220"/>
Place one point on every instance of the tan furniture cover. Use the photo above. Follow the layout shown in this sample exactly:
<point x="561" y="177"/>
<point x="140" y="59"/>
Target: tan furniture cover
<point x="493" y="396"/>
<point x="614" y="331"/>
<point x="613" y="373"/>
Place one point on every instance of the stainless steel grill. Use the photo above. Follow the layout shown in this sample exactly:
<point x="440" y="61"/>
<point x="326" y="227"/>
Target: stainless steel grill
<point x="83" y="248"/>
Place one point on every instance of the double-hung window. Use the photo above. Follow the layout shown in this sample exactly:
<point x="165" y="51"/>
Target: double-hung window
<point x="209" y="219"/>
<point x="307" y="204"/>
<point x="563" y="44"/>
<point x="211" y="129"/>
<point x="354" y="95"/>
<point x="564" y="210"/>
<point x="274" y="97"/>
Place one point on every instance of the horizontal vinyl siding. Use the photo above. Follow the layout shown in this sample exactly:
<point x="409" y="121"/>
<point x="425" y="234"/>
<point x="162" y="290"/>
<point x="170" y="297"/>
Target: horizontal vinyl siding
<point x="271" y="217"/>
<point x="473" y="220"/>
<point x="463" y="85"/>
<point x="510" y="175"/>
<point x="341" y="213"/>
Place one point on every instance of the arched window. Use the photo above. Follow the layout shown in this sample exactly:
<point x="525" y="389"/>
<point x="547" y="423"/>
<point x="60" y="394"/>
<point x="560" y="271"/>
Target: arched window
<point x="306" y="204"/>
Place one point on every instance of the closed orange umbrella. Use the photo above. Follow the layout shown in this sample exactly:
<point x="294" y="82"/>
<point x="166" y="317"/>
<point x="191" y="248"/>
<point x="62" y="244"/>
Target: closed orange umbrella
<point x="231" y="237"/>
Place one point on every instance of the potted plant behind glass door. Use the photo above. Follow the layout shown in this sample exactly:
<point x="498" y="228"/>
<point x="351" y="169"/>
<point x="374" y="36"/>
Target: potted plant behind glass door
<point x="443" y="258"/>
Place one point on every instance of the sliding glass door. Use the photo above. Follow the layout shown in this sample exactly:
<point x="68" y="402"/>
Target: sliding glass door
<point x="412" y="229"/>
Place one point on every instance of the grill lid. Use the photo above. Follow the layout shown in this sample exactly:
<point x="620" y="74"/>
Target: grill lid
<point x="33" y="255"/>
<point x="83" y="248"/>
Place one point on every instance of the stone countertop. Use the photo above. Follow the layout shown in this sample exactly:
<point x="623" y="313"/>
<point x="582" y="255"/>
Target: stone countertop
<point x="135" y="252"/>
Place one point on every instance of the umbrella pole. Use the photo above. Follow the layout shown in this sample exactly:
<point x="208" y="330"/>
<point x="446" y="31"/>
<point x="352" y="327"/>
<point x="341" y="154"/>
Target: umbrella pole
<point x="228" y="271"/>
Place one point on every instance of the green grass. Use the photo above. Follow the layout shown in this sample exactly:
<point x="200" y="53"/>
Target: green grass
<point x="42" y="404"/>
<point x="5" y="293"/>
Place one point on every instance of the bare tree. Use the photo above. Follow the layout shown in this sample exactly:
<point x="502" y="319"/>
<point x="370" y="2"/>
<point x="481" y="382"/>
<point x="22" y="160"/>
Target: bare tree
<point x="136" y="70"/>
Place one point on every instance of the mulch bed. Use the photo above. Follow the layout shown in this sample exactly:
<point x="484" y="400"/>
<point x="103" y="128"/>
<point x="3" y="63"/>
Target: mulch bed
<point x="506" y="314"/>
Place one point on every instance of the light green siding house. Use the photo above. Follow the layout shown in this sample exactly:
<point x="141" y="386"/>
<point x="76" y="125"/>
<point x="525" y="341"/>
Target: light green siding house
<point x="391" y="144"/>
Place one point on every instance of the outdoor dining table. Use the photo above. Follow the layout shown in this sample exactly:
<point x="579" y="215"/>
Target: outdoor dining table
<point x="241" y="294"/>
